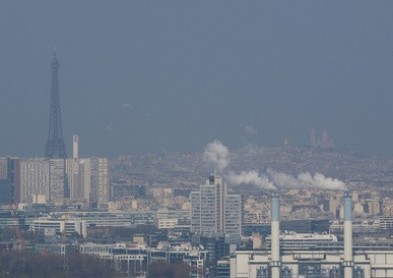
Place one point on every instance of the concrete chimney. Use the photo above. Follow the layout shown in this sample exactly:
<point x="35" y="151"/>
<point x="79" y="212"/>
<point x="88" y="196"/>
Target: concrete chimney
<point x="275" y="263"/>
<point x="348" y="255"/>
<point x="75" y="147"/>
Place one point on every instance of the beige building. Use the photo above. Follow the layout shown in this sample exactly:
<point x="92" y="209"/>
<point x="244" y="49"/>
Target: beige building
<point x="89" y="180"/>
<point x="34" y="179"/>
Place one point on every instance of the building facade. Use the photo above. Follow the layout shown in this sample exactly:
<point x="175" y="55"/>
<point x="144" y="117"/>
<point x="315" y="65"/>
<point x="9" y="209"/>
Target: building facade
<point x="64" y="225"/>
<point x="215" y="211"/>
<point x="58" y="182"/>
<point x="369" y="262"/>
<point x="99" y="194"/>
<point x="55" y="181"/>
<point x="233" y="214"/>
<point x="9" y="180"/>
<point x="34" y="179"/>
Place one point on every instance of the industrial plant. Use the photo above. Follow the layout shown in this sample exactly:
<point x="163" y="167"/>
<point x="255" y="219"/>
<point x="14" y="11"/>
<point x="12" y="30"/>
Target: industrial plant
<point x="314" y="255"/>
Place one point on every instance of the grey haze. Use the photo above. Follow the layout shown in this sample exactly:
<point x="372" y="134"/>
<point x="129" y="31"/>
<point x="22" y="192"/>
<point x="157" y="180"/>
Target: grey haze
<point x="140" y="76"/>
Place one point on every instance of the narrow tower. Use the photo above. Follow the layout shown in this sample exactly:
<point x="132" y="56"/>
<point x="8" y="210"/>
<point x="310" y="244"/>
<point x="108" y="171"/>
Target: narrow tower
<point x="275" y="263"/>
<point x="75" y="146"/>
<point x="55" y="147"/>
<point x="348" y="255"/>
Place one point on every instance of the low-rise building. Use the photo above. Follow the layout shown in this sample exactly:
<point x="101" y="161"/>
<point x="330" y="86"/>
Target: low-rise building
<point x="62" y="225"/>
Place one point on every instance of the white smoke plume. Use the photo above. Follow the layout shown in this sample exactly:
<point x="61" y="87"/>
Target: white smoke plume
<point x="217" y="155"/>
<point x="305" y="180"/>
<point x="320" y="181"/>
<point x="251" y="177"/>
<point x="283" y="180"/>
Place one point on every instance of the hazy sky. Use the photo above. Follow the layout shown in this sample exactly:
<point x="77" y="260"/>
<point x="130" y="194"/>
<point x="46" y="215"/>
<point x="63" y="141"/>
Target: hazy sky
<point x="140" y="76"/>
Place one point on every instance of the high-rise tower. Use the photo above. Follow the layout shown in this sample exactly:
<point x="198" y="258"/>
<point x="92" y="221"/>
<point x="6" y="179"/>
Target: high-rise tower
<point x="215" y="211"/>
<point x="55" y="147"/>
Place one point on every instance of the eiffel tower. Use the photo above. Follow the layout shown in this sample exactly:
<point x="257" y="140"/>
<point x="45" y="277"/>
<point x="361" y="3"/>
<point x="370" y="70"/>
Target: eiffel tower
<point x="55" y="147"/>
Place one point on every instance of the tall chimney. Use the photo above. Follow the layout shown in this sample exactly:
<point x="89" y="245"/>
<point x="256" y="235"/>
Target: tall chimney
<point x="75" y="147"/>
<point x="348" y="256"/>
<point x="275" y="263"/>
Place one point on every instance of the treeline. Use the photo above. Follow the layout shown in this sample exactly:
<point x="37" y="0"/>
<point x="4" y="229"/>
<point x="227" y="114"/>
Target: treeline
<point x="164" y="270"/>
<point x="32" y="265"/>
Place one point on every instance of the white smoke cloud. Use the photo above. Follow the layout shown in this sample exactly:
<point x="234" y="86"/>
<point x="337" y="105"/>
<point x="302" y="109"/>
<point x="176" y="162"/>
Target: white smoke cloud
<point x="305" y="180"/>
<point x="283" y="180"/>
<point x="217" y="155"/>
<point x="250" y="177"/>
<point x="320" y="181"/>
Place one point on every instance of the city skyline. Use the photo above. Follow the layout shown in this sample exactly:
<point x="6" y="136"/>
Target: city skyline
<point x="149" y="78"/>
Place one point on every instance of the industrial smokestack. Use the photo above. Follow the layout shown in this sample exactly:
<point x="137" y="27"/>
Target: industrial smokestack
<point x="348" y="256"/>
<point x="275" y="235"/>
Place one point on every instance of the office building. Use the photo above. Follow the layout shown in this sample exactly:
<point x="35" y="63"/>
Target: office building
<point x="207" y="207"/>
<point x="136" y="258"/>
<point x="223" y="269"/>
<point x="99" y="194"/>
<point x="214" y="211"/>
<point x="233" y="214"/>
<point x="89" y="181"/>
<point x="42" y="179"/>
<point x="88" y="178"/>
<point x="9" y="180"/>
<point x="195" y="211"/>
<point x="34" y="179"/>
<point x="58" y="182"/>
<point x="67" y="226"/>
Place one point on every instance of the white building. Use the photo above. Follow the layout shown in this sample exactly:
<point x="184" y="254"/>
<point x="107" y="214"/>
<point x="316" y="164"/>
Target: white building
<point x="42" y="180"/>
<point x="195" y="211"/>
<point x="34" y="179"/>
<point x="60" y="225"/>
<point x="166" y="223"/>
<point x="135" y="259"/>
<point x="214" y="211"/>
<point x="369" y="262"/>
<point x="99" y="187"/>
<point x="207" y="207"/>
<point x="89" y="180"/>
<point x="233" y="214"/>
<point x="57" y="180"/>
<point x="79" y="178"/>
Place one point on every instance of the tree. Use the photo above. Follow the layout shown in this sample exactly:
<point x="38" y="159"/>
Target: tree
<point x="165" y="270"/>
<point x="32" y="265"/>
